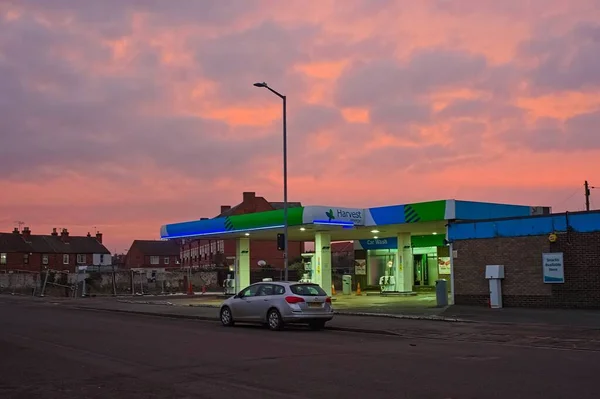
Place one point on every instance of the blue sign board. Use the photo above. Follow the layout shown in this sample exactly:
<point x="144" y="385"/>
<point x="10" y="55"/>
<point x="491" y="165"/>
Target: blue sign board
<point x="380" y="243"/>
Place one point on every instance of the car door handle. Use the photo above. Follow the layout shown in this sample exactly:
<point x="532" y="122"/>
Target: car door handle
<point x="266" y="300"/>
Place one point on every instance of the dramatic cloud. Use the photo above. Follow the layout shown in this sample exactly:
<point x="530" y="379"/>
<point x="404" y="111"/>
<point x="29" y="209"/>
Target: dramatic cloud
<point x="126" y="114"/>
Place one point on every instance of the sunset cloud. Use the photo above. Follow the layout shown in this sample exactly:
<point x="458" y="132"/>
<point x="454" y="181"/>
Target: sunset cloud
<point x="126" y="114"/>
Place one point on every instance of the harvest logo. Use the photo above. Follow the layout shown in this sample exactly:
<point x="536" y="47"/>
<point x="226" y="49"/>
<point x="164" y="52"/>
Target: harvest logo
<point x="329" y="214"/>
<point x="348" y="214"/>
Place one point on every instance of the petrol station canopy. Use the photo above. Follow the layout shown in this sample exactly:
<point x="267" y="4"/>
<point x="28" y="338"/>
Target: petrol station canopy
<point x="419" y="219"/>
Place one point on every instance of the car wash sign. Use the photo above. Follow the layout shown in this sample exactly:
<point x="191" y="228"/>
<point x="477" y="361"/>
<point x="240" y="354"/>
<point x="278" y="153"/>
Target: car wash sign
<point x="554" y="267"/>
<point x="333" y="215"/>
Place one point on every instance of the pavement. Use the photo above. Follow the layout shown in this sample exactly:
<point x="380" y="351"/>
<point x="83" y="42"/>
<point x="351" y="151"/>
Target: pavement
<point x="422" y="306"/>
<point x="55" y="349"/>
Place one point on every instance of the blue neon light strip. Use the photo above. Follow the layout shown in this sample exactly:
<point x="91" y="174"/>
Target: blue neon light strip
<point x="339" y="223"/>
<point x="210" y="233"/>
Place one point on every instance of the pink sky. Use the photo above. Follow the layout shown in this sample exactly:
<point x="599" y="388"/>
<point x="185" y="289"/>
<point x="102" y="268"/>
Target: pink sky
<point x="128" y="114"/>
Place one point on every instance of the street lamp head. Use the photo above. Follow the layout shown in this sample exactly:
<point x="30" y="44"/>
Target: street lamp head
<point x="258" y="84"/>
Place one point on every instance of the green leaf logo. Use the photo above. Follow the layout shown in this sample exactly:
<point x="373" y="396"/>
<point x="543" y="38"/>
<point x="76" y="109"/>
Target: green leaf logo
<point x="330" y="215"/>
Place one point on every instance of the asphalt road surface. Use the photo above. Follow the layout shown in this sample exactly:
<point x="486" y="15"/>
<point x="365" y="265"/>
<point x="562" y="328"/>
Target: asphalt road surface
<point x="51" y="352"/>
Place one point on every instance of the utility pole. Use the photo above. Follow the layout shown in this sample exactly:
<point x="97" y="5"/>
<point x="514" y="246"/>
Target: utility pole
<point x="587" y="195"/>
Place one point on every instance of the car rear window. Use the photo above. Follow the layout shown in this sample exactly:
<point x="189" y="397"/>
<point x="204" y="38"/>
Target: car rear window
<point x="307" y="290"/>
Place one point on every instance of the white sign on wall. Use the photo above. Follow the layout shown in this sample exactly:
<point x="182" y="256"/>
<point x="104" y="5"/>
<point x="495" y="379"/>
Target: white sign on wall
<point x="444" y="265"/>
<point x="553" y="267"/>
<point x="360" y="267"/>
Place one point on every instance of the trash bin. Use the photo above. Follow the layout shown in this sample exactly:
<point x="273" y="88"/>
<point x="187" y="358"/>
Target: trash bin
<point x="441" y="292"/>
<point x="347" y="284"/>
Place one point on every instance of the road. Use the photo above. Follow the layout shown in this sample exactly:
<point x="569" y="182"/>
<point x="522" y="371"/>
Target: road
<point x="49" y="351"/>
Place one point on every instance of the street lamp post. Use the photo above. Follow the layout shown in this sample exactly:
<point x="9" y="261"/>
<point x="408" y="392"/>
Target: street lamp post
<point x="285" y="197"/>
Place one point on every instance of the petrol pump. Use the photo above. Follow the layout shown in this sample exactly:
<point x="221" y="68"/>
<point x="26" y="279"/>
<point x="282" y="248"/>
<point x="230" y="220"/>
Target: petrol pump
<point x="230" y="283"/>
<point x="387" y="282"/>
<point x="308" y="262"/>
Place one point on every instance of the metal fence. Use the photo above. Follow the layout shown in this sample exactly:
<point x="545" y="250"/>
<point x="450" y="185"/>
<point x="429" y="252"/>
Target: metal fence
<point x="109" y="281"/>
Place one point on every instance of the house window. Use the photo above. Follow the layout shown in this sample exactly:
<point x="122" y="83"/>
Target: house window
<point x="166" y="260"/>
<point x="154" y="260"/>
<point x="101" y="259"/>
<point x="25" y="259"/>
<point x="81" y="259"/>
<point x="2" y="259"/>
<point x="65" y="259"/>
<point x="45" y="259"/>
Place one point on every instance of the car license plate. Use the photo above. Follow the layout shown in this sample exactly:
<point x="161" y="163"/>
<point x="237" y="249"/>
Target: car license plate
<point x="314" y="304"/>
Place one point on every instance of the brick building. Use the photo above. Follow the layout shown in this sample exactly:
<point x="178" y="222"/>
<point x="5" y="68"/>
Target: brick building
<point x="518" y="244"/>
<point x="153" y="254"/>
<point x="24" y="251"/>
<point x="202" y="252"/>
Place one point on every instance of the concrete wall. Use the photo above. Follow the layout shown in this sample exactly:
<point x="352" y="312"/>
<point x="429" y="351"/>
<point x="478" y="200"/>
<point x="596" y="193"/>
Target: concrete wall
<point x="126" y="282"/>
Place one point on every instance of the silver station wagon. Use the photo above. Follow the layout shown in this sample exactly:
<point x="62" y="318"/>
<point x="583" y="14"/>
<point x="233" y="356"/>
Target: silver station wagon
<point x="278" y="303"/>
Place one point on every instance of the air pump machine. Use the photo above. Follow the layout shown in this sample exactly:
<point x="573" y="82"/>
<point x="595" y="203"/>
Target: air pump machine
<point x="308" y="262"/>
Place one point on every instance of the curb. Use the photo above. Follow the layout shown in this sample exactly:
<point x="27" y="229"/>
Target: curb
<point x="215" y="319"/>
<point x="405" y="317"/>
<point x="167" y="303"/>
<point x="341" y="313"/>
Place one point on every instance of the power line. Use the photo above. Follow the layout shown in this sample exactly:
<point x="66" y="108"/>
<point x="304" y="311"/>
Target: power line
<point x="576" y="191"/>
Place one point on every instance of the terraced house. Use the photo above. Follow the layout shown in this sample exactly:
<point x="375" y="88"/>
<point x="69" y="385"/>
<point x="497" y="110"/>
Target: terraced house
<point x="24" y="251"/>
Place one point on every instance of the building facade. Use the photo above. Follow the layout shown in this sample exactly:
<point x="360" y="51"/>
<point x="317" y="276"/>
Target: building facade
<point x="24" y="251"/>
<point x="524" y="246"/>
<point x="153" y="254"/>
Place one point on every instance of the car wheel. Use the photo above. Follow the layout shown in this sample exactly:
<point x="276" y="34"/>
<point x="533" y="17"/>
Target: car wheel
<point x="274" y="320"/>
<point x="226" y="317"/>
<point x="317" y="325"/>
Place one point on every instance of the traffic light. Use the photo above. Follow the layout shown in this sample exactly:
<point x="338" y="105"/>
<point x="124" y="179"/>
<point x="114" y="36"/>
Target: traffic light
<point x="281" y="242"/>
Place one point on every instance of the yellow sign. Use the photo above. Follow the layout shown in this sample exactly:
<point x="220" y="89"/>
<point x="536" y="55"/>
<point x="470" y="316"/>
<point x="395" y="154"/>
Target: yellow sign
<point x="552" y="237"/>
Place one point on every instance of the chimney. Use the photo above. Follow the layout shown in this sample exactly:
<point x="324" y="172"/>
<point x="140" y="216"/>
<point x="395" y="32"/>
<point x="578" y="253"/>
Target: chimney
<point x="224" y="208"/>
<point x="64" y="235"/>
<point x="249" y="196"/>
<point x="26" y="233"/>
<point x="99" y="237"/>
<point x="54" y="233"/>
<point x="16" y="230"/>
<point x="88" y="235"/>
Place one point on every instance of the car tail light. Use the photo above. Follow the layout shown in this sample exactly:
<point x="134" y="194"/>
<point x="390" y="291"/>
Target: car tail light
<point x="328" y="299"/>
<point x="293" y="299"/>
